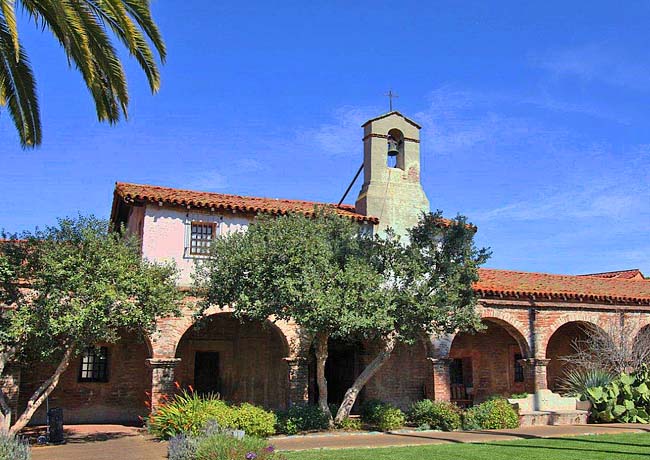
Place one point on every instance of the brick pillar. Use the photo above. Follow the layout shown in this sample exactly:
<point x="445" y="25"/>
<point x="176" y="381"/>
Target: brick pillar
<point x="535" y="374"/>
<point x="441" y="379"/>
<point x="298" y="380"/>
<point x="162" y="379"/>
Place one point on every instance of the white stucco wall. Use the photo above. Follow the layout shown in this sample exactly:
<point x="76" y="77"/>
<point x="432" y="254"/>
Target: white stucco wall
<point x="165" y="235"/>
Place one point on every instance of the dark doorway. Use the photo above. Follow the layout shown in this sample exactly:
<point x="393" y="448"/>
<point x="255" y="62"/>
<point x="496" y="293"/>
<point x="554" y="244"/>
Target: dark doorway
<point x="206" y="372"/>
<point x="344" y="364"/>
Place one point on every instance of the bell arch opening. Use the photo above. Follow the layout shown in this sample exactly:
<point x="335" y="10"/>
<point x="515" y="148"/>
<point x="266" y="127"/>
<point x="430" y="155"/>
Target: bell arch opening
<point x="395" y="152"/>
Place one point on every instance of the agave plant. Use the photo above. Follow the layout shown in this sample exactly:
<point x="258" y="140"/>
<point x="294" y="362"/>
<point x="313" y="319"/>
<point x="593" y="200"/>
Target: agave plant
<point x="577" y="381"/>
<point x="83" y="28"/>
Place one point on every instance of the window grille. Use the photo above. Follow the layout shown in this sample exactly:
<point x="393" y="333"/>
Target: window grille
<point x="519" y="369"/>
<point x="94" y="365"/>
<point x="201" y="236"/>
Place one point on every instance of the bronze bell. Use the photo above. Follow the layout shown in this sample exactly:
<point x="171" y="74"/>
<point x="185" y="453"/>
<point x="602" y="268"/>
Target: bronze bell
<point x="393" y="147"/>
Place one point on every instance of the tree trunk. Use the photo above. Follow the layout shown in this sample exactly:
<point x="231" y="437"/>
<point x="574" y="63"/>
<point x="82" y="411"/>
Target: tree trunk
<point x="371" y="369"/>
<point x="41" y="393"/>
<point x="321" y="381"/>
<point x="5" y="414"/>
<point x="5" y="410"/>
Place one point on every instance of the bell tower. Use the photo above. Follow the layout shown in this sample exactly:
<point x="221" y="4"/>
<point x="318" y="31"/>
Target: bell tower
<point x="391" y="188"/>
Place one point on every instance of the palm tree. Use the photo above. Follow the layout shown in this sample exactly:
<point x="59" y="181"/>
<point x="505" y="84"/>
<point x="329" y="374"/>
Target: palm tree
<point x="83" y="28"/>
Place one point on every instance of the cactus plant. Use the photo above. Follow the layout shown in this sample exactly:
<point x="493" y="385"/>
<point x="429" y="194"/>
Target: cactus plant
<point x="626" y="399"/>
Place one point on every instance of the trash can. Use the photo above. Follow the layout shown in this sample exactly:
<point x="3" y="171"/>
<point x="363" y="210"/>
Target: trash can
<point x="55" y="425"/>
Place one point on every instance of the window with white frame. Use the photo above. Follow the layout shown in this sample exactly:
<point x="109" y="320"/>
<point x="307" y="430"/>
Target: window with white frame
<point x="201" y="236"/>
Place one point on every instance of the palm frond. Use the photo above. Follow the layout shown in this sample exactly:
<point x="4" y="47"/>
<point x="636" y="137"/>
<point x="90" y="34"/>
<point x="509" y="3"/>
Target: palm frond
<point x="109" y="89"/>
<point x="18" y="89"/>
<point x="140" y="10"/>
<point x="84" y="29"/>
<point x="115" y="14"/>
<point x="8" y="10"/>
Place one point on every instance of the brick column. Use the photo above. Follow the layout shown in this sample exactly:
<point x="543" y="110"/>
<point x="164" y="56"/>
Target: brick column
<point x="441" y="379"/>
<point x="298" y="380"/>
<point x="535" y="373"/>
<point x="162" y="379"/>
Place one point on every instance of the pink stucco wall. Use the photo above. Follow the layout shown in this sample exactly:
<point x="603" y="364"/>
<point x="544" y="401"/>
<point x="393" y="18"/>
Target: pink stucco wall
<point x="164" y="235"/>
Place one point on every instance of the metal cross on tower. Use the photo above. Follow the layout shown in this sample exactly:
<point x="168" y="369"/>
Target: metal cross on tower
<point x="391" y="95"/>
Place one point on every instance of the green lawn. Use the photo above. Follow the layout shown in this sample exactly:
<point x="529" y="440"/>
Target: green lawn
<point x="621" y="446"/>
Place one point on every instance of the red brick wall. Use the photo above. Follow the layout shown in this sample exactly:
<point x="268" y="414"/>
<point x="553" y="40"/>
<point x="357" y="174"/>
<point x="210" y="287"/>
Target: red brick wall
<point x="120" y="400"/>
<point x="251" y="355"/>
<point x="492" y="355"/>
<point x="405" y="378"/>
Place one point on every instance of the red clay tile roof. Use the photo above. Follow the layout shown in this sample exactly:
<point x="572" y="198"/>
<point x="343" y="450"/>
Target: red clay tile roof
<point x="633" y="274"/>
<point x="219" y="201"/>
<point x="544" y="286"/>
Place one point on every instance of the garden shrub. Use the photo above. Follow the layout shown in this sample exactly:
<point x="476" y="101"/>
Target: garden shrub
<point x="224" y="447"/>
<point x="519" y="396"/>
<point x="301" y="417"/>
<point x="12" y="448"/>
<point x="382" y="415"/>
<point x="370" y="410"/>
<point x="350" y="424"/>
<point x="491" y="415"/>
<point x="436" y="415"/>
<point x="254" y="420"/>
<point x="626" y="399"/>
<point x="188" y="413"/>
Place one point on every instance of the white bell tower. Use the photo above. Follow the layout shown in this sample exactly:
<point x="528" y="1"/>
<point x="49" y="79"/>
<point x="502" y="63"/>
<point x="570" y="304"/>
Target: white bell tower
<point x="391" y="188"/>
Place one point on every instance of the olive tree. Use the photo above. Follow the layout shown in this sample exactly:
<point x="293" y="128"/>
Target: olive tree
<point x="336" y="280"/>
<point x="70" y="287"/>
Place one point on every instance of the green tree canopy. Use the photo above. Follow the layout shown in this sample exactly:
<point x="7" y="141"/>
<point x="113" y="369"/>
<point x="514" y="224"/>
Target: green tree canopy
<point x="335" y="280"/>
<point x="84" y="28"/>
<point x="79" y="285"/>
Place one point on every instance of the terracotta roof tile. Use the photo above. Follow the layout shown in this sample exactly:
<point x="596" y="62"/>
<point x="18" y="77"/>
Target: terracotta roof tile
<point x="515" y="284"/>
<point x="633" y="274"/>
<point x="219" y="201"/>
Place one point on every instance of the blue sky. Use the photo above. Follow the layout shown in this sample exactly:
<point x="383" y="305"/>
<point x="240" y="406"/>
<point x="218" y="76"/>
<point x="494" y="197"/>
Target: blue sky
<point x="535" y="117"/>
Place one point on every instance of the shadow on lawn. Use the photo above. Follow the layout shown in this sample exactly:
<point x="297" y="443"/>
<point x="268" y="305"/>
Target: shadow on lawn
<point x="596" y="449"/>
<point x="514" y="436"/>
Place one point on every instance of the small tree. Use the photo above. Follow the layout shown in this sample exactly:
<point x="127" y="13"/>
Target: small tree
<point x="82" y="285"/>
<point x="615" y="348"/>
<point x="336" y="281"/>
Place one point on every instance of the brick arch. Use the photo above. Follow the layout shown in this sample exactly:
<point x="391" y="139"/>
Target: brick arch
<point x="642" y="321"/>
<point x="594" y="319"/>
<point x="515" y="331"/>
<point x="211" y="312"/>
<point x="440" y="346"/>
<point x="165" y="340"/>
<point x="245" y="361"/>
